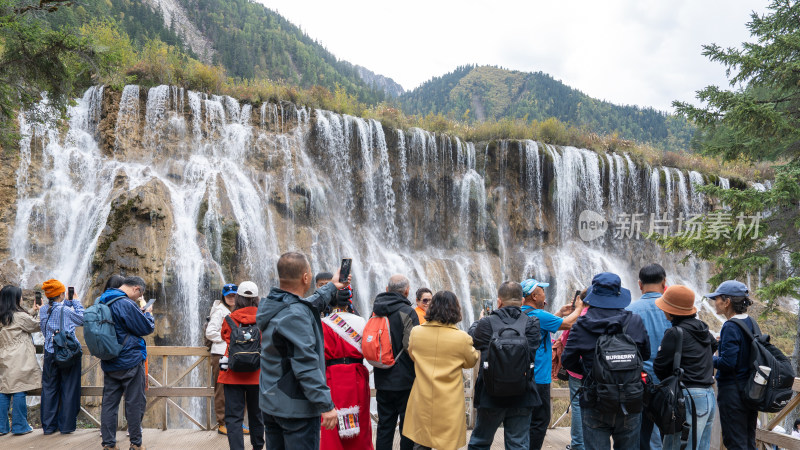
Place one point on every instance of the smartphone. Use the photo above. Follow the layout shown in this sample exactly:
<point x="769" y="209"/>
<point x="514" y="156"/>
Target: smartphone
<point x="487" y="307"/>
<point x="344" y="269"/>
<point x="148" y="304"/>
<point x="70" y="293"/>
<point x="574" y="297"/>
<point x="38" y="298"/>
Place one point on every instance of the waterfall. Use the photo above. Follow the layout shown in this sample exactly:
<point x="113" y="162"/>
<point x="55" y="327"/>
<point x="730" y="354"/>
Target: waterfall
<point x="247" y="183"/>
<point x="385" y="191"/>
<point x="404" y="179"/>
<point x="683" y="193"/>
<point x="698" y="198"/>
<point x="128" y="114"/>
<point x="655" y="191"/>
<point x="577" y="176"/>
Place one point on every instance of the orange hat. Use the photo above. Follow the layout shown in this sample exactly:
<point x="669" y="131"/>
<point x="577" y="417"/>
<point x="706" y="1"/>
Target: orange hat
<point x="53" y="288"/>
<point x="677" y="300"/>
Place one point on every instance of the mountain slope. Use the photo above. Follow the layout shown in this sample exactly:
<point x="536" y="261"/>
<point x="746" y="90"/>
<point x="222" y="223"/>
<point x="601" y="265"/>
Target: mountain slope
<point x="480" y="93"/>
<point x="248" y="39"/>
<point x="253" y="41"/>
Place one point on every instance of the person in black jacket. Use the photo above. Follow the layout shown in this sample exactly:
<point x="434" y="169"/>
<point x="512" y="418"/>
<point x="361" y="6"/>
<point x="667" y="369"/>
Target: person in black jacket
<point x="513" y="412"/>
<point x="698" y="347"/>
<point x="738" y="422"/>
<point x="607" y="300"/>
<point x="393" y="385"/>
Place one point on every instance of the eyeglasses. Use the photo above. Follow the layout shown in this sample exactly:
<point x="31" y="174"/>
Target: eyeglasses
<point x="425" y="300"/>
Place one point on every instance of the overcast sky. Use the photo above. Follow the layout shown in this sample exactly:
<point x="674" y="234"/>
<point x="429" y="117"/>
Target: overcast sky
<point x="640" y="52"/>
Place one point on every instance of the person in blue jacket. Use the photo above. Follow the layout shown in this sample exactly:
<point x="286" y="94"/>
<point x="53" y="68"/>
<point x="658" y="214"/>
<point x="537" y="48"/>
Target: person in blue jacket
<point x="125" y="374"/>
<point x="533" y="304"/>
<point x="652" y="283"/>
<point x="738" y="422"/>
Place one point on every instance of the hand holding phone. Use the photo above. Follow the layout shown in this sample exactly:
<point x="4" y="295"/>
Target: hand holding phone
<point x="70" y="293"/>
<point x="487" y="307"/>
<point x="148" y="307"/>
<point x="344" y="269"/>
<point x="38" y="300"/>
<point x="575" y="297"/>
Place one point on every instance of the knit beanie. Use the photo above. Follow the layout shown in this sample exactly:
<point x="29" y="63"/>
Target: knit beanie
<point x="53" y="288"/>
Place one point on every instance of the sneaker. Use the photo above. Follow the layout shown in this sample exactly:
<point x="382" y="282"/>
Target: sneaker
<point x="222" y="430"/>
<point x="30" y="430"/>
<point x="137" y="447"/>
<point x="245" y="429"/>
<point x="105" y="447"/>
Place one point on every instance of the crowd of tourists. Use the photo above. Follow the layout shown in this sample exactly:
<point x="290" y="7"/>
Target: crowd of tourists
<point x="298" y="368"/>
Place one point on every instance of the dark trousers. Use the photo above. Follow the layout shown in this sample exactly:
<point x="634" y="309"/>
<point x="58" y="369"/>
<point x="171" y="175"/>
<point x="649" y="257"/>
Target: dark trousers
<point x="599" y="428"/>
<point x="391" y="405"/>
<point x="540" y="418"/>
<point x="291" y="434"/>
<point x="61" y="396"/>
<point x="516" y="428"/>
<point x="237" y="398"/>
<point x="219" y="392"/>
<point x="738" y="422"/>
<point x="645" y="433"/>
<point x="130" y="382"/>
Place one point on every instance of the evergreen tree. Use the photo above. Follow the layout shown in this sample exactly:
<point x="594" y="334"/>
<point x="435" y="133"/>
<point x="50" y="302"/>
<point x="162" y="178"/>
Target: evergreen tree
<point x="757" y="119"/>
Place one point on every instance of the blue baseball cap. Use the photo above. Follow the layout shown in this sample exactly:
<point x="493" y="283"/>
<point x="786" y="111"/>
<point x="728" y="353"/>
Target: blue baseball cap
<point x="730" y="288"/>
<point x="228" y="289"/>
<point x="607" y="292"/>
<point x="530" y="284"/>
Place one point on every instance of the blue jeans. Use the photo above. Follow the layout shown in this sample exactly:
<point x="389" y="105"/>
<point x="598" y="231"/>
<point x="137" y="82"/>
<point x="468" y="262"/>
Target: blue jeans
<point x="599" y="427"/>
<point x="705" y="404"/>
<point x="576" y="426"/>
<point x="291" y="434"/>
<point x="19" y="413"/>
<point x="516" y="428"/>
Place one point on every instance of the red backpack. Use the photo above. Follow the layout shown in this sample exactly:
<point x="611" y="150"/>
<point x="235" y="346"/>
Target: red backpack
<point x="376" y="344"/>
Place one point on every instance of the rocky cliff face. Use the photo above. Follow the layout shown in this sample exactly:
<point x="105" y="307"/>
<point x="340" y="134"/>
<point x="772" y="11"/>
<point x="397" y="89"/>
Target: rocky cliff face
<point x="386" y="84"/>
<point x="191" y="191"/>
<point x="9" y="161"/>
<point x="175" y="16"/>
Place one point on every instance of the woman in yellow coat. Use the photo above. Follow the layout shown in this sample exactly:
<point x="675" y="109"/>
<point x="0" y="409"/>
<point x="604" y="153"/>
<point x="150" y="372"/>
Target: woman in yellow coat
<point x="435" y="415"/>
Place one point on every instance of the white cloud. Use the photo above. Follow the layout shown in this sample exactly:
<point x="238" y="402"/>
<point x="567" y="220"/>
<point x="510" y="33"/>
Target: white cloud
<point x="642" y="52"/>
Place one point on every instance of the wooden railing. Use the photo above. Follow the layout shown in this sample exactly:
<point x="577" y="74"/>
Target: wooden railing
<point x="161" y="391"/>
<point x="766" y="437"/>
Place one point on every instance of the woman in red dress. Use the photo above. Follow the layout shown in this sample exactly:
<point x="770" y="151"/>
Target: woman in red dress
<point x="347" y="376"/>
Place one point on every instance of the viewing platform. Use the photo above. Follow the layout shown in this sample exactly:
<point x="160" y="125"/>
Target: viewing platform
<point x="157" y="439"/>
<point x="183" y="373"/>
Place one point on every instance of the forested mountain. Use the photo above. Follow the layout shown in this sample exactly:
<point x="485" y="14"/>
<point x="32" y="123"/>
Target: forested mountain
<point x="479" y="93"/>
<point x="253" y="42"/>
<point x="249" y="40"/>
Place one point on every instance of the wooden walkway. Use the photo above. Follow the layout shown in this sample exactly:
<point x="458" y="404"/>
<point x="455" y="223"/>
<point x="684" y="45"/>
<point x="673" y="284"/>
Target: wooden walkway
<point x="155" y="439"/>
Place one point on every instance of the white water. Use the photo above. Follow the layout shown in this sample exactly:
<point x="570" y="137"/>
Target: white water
<point x="349" y="194"/>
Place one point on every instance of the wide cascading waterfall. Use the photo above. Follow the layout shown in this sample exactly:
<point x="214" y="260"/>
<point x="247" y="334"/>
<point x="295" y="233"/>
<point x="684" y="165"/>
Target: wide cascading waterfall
<point x="233" y="186"/>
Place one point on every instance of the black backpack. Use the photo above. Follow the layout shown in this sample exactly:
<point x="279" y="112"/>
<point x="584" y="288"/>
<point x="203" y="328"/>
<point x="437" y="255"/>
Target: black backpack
<point x="244" y="350"/>
<point x="665" y="404"/>
<point x="508" y="368"/>
<point x="778" y="390"/>
<point x="615" y="382"/>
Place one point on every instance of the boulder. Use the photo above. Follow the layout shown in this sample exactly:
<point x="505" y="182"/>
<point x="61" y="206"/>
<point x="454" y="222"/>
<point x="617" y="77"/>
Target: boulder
<point x="136" y="238"/>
